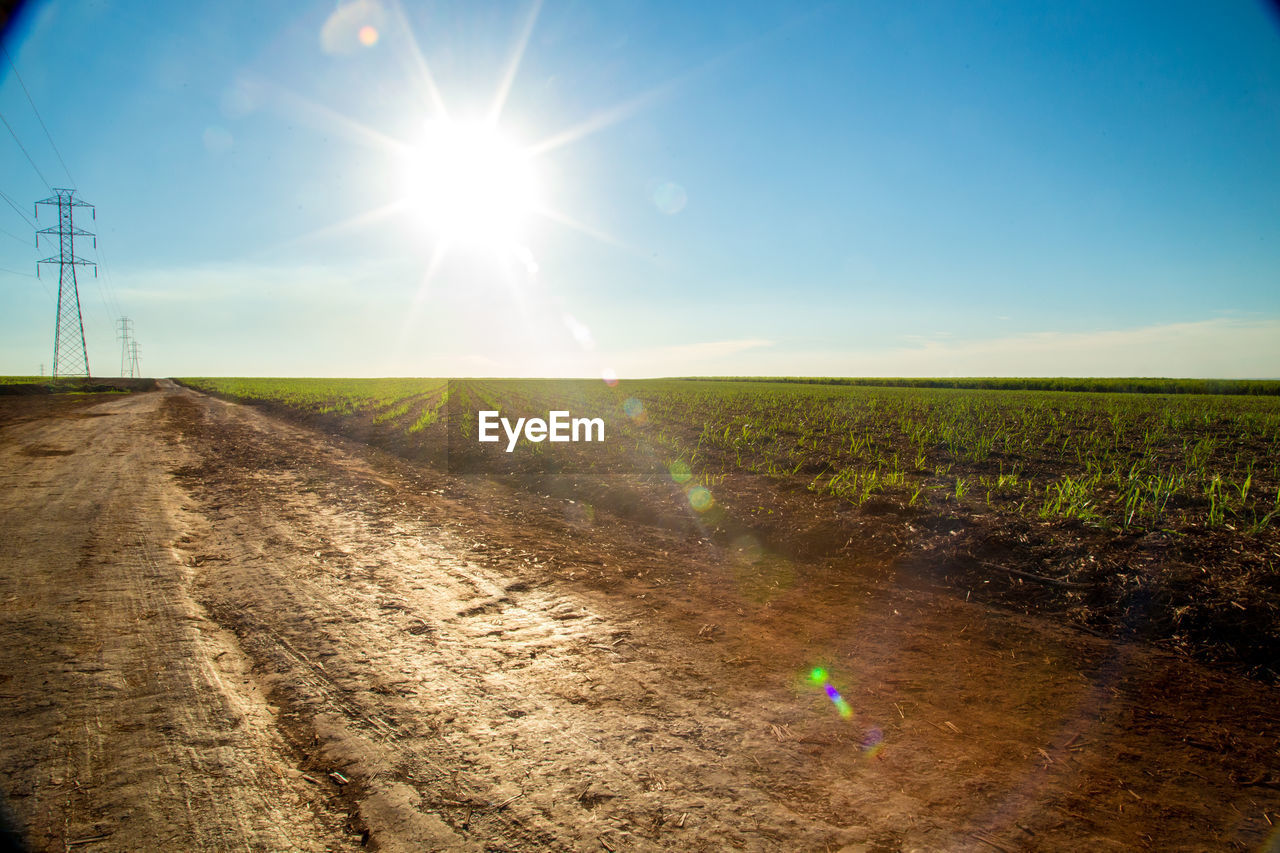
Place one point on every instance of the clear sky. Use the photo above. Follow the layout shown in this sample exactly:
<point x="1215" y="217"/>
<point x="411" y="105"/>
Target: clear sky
<point x="654" y="188"/>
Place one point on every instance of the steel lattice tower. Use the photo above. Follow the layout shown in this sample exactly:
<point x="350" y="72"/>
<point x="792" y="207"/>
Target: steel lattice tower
<point x="126" y="326"/>
<point x="70" y="356"/>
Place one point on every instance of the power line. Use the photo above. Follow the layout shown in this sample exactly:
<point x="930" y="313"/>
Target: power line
<point x="106" y="287"/>
<point x="40" y="119"/>
<point x="15" y="236"/>
<point x="17" y="210"/>
<point x="109" y="303"/>
<point x="58" y="153"/>
<point x="110" y="288"/>
<point x="43" y="286"/>
<point x="14" y="134"/>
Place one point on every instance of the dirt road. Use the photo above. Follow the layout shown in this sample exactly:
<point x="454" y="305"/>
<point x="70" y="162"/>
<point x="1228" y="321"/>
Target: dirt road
<point x="222" y="631"/>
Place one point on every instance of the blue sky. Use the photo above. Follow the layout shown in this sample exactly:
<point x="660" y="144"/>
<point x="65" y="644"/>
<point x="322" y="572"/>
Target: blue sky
<point x="734" y="188"/>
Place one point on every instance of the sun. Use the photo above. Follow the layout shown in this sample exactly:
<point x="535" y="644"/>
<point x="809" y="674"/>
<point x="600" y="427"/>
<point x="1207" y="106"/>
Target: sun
<point x="468" y="184"/>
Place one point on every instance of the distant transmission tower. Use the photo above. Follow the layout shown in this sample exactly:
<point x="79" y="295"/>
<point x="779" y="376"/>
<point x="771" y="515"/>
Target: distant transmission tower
<point x="135" y="372"/>
<point x="70" y="356"/>
<point x="126" y="327"/>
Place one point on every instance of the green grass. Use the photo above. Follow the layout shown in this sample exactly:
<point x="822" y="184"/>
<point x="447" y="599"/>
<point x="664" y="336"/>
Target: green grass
<point x="1114" y="460"/>
<point x="326" y="396"/>
<point x="24" y="385"/>
<point x="1131" y="385"/>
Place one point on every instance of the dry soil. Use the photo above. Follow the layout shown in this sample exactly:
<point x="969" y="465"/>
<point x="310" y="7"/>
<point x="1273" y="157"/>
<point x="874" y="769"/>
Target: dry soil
<point x="223" y="631"/>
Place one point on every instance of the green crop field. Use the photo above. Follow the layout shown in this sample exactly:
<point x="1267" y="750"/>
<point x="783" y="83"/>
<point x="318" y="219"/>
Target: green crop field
<point x="1120" y="385"/>
<point x="1113" y="460"/>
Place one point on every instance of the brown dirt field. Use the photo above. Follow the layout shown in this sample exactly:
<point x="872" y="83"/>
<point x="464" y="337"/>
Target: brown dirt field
<point x="220" y="630"/>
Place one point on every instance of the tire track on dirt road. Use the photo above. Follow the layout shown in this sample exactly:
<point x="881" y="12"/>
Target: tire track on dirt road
<point x="127" y="724"/>
<point x="470" y="707"/>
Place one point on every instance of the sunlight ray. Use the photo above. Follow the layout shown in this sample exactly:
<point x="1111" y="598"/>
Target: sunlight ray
<point x="354" y="223"/>
<point x="625" y="110"/>
<point x="420" y="296"/>
<point x="328" y="119"/>
<point x="513" y="66"/>
<point x="596" y="234"/>
<point x="418" y="63"/>
<point x="600" y="121"/>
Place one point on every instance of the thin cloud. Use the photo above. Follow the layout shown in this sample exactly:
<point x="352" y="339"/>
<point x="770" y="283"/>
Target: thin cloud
<point x="216" y="283"/>
<point x="1214" y="348"/>
<point x="710" y="349"/>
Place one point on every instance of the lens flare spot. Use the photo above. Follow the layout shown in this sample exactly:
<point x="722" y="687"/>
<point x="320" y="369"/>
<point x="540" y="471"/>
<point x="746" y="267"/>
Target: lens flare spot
<point x="700" y="498"/>
<point x="218" y="140"/>
<point x="670" y="198"/>
<point x="580" y="514"/>
<point x="524" y="255"/>
<point x="241" y="99"/>
<point x="747" y="549"/>
<point x="633" y="407"/>
<point x="581" y="333"/>
<point x="609" y="376"/>
<point x="872" y="742"/>
<point x="350" y="25"/>
<point x="680" y="472"/>
<point x="822" y="678"/>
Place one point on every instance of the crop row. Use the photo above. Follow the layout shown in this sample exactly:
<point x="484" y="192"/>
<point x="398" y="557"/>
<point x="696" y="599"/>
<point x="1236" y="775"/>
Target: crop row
<point x="1108" y="459"/>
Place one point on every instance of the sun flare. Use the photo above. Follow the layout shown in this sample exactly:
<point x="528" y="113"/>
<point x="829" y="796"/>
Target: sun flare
<point x="470" y="185"/>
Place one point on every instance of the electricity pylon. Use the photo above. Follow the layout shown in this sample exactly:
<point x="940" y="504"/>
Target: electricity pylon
<point x="135" y="372"/>
<point x="126" y="326"/>
<point x="70" y="355"/>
